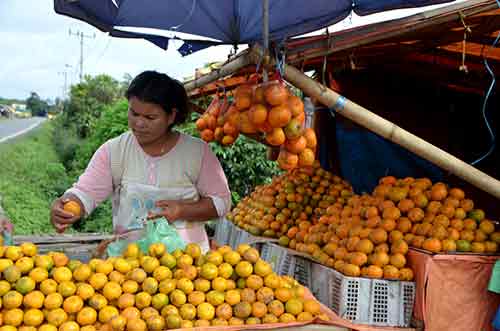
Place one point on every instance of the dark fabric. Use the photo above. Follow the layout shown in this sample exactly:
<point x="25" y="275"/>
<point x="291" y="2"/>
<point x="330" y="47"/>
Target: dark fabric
<point x="365" y="157"/>
<point x="226" y="21"/>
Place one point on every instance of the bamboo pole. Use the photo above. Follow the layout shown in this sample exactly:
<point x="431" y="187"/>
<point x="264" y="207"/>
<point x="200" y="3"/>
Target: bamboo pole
<point x="392" y="132"/>
<point x="228" y="68"/>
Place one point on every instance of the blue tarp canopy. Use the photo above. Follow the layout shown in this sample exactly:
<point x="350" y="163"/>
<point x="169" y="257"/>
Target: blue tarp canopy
<point x="230" y="22"/>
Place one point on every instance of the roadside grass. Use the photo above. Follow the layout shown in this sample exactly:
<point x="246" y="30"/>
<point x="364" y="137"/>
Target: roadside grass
<point x="31" y="177"/>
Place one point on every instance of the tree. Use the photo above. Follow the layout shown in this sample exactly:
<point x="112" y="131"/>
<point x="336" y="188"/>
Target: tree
<point x="87" y="101"/>
<point x="37" y="106"/>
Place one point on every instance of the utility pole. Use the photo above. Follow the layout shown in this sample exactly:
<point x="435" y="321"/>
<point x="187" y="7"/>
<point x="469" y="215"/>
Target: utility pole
<point x="65" y="74"/>
<point x="81" y="35"/>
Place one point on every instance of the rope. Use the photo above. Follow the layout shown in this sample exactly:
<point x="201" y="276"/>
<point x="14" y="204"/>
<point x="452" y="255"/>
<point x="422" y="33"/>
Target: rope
<point x="467" y="29"/>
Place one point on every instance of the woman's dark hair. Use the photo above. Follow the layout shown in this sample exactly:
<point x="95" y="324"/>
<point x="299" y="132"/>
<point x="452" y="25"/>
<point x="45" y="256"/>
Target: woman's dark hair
<point x="160" y="89"/>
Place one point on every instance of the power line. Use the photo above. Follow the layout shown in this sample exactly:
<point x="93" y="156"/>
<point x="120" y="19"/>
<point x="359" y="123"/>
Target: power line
<point x="82" y="36"/>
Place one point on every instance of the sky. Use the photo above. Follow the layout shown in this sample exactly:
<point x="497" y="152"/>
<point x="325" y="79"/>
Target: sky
<point x="36" y="48"/>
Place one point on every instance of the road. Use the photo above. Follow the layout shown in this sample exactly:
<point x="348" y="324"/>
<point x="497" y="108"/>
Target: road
<point x="14" y="127"/>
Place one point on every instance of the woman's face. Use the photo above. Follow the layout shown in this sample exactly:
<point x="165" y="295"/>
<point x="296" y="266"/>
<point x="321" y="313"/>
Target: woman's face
<point x="148" y="121"/>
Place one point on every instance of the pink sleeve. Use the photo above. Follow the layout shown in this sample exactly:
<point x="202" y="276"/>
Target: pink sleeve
<point x="212" y="182"/>
<point x="96" y="183"/>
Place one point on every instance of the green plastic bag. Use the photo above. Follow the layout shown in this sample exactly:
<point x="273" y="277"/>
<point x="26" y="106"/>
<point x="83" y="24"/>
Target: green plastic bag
<point x="156" y="231"/>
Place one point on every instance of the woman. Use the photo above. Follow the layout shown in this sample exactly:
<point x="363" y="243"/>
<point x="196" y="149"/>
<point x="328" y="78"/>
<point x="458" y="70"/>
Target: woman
<point x="152" y="170"/>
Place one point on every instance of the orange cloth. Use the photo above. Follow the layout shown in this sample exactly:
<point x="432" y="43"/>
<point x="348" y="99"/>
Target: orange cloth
<point x="452" y="291"/>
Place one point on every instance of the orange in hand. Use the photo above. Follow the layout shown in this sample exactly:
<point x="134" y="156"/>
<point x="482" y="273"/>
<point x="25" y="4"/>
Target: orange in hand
<point x="73" y="207"/>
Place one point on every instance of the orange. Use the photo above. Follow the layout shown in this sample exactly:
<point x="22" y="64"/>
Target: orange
<point x="310" y="136"/>
<point x="73" y="207"/>
<point x="86" y="316"/>
<point x="207" y="135"/>
<point x="306" y="158"/>
<point x="283" y="294"/>
<point x="107" y="313"/>
<point x="296" y="145"/>
<point x="279" y="116"/>
<point x="257" y="114"/>
<point x="136" y="324"/>
<point x="406" y="274"/>
<point x="98" y="280"/>
<point x="205" y="311"/>
<point x="154" y="323"/>
<point x="130" y="286"/>
<point x="287" y="160"/>
<point x="142" y="300"/>
<point x="84" y="291"/>
<point x="53" y="301"/>
<point x="276" y="137"/>
<point x="66" y="288"/>
<point x="131" y="313"/>
<point x="69" y="326"/>
<point x="13" y="317"/>
<point x="294" y="306"/>
<point x="112" y="291"/>
<point x="62" y="274"/>
<point x="275" y="94"/>
<point x="57" y="317"/>
<point x="97" y="301"/>
<point x="432" y="245"/>
<point x="104" y="267"/>
<point x="12" y="299"/>
<point x="39" y="274"/>
<point x="25" y="285"/>
<point x="287" y="318"/>
<point x="245" y="125"/>
<point x="50" y="327"/>
<point x="73" y="304"/>
<point x="34" y="300"/>
<point x="296" y="105"/>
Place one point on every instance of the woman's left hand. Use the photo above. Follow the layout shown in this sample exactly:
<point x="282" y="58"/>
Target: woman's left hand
<point x="171" y="210"/>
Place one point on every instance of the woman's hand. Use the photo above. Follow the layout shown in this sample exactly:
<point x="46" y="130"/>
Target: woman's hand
<point x="172" y="210"/>
<point x="60" y="218"/>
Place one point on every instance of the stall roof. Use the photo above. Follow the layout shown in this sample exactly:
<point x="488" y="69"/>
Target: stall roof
<point x="229" y="22"/>
<point x="434" y="37"/>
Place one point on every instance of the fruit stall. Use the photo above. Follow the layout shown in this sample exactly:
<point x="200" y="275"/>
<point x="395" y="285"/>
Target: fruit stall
<point x="309" y="250"/>
<point x="413" y="252"/>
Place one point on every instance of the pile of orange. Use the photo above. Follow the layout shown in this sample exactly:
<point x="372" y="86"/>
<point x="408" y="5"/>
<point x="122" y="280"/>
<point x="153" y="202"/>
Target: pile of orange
<point x="269" y="110"/>
<point x="314" y="212"/>
<point x="291" y="200"/>
<point x="137" y="292"/>
<point x="436" y="217"/>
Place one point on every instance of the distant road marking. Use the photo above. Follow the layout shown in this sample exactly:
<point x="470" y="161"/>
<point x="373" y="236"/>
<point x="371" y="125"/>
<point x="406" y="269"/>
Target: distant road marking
<point x="21" y="132"/>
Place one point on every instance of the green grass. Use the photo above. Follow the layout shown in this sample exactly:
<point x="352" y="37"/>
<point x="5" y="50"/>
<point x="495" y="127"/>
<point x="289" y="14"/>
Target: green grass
<point x="31" y="177"/>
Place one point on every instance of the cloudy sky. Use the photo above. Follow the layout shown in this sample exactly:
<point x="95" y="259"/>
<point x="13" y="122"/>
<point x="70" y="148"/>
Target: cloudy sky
<point x="36" y="47"/>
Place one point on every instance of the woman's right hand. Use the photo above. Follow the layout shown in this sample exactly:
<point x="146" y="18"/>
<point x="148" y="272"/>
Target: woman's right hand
<point x="60" y="218"/>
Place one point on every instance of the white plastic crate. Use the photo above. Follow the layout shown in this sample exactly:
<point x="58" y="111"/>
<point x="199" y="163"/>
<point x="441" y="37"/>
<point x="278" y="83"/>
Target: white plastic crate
<point x="223" y="232"/>
<point x="237" y="236"/>
<point x="284" y="262"/>
<point x="362" y="300"/>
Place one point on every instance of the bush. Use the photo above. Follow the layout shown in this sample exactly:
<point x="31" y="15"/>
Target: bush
<point x="65" y="140"/>
<point x="245" y="163"/>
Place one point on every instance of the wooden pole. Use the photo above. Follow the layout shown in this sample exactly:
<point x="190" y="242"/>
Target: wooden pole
<point x="392" y="132"/>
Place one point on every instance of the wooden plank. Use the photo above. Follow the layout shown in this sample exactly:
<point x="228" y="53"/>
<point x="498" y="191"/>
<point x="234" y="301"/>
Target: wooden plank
<point x="356" y="37"/>
<point x="64" y="238"/>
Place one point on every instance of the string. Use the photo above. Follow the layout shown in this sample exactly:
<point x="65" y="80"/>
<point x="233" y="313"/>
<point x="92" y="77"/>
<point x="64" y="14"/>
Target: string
<point x="485" y="102"/>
